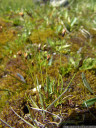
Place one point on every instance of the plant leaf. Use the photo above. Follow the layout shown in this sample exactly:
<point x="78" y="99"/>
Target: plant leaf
<point x="50" y="61"/>
<point x="21" y="77"/>
<point x="89" y="102"/>
<point x="88" y="63"/>
<point x="86" y="84"/>
<point x="74" y="21"/>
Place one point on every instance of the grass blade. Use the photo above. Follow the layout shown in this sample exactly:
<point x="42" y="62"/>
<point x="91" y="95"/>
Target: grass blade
<point x="62" y="92"/>
<point x="39" y="91"/>
<point x="34" y="104"/>
<point x="89" y="102"/>
<point x="46" y="112"/>
<point x="50" y="61"/>
<point x="5" y="123"/>
<point x="6" y="90"/>
<point x="86" y="84"/>
<point x="23" y="119"/>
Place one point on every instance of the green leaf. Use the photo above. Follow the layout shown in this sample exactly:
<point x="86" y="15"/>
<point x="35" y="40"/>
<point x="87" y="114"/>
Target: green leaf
<point x="89" y="102"/>
<point x="73" y="21"/>
<point x="50" y="61"/>
<point x="59" y="28"/>
<point x="49" y="85"/>
<point x="88" y="63"/>
<point x="86" y="84"/>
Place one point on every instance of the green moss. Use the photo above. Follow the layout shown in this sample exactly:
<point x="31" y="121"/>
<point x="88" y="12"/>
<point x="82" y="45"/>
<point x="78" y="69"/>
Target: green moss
<point x="41" y="36"/>
<point x="41" y="42"/>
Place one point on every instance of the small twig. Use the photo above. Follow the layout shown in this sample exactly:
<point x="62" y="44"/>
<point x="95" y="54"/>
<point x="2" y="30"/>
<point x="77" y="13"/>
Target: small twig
<point x="67" y="97"/>
<point x="85" y="33"/>
<point x="23" y="119"/>
<point x="39" y="124"/>
<point x="46" y="112"/>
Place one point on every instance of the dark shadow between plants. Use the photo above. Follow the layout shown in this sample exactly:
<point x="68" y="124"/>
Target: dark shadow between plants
<point x="84" y="117"/>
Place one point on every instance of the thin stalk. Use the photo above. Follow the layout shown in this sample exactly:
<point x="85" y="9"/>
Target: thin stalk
<point x="61" y="55"/>
<point x="41" y="70"/>
<point x="62" y="92"/>
<point x="61" y="83"/>
<point x="42" y="110"/>
<point x="33" y="102"/>
<point x="23" y="119"/>
<point x="39" y="91"/>
<point x="60" y="59"/>
<point x="5" y="123"/>
<point x="31" y="117"/>
<point x="90" y="111"/>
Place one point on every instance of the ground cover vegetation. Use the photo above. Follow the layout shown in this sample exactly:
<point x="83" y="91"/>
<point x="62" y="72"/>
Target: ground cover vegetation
<point x="47" y="64"/>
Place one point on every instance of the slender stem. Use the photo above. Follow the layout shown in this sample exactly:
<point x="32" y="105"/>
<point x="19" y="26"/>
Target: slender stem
<point x="62" y="92"/>
<point x="23" y="119"/>
<point x="5" y="123"/>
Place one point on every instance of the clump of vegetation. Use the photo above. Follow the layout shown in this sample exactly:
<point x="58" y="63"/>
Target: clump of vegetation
<point x="47" y="64"/>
